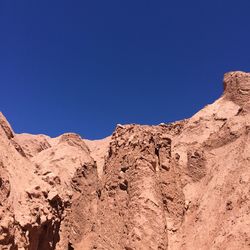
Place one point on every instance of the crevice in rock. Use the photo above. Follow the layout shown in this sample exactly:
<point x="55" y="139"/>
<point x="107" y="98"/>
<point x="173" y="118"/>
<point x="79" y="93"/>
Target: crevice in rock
<point x="70" y="246"/>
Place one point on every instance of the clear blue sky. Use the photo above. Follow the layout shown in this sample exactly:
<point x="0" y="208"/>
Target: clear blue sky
<point x="84" y="66"/>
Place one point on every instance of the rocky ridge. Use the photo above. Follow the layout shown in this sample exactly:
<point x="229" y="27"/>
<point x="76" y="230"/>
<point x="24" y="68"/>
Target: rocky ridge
<point x="183" y="185"/>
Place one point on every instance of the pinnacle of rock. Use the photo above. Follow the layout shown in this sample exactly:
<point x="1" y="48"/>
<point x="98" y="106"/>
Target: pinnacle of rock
<point x="237" y="87"/>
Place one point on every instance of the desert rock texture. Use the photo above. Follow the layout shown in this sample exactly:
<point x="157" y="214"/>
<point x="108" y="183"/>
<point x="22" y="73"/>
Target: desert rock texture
<point x="183" y="185"/>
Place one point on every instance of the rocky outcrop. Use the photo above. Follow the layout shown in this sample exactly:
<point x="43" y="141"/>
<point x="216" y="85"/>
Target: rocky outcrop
<point x="237" y="87"/>
<point x="183" y="185"/>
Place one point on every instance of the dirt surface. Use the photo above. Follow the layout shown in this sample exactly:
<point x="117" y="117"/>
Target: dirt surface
<point x="183" y="185"/>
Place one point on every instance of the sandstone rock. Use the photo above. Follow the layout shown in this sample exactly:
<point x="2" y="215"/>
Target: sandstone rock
<point x="237" y="87"/>
<point x="6" y="127"/>
<point x="53" y="195"/>
<point x="32" y="144"/>
<point x="183" y="185"/>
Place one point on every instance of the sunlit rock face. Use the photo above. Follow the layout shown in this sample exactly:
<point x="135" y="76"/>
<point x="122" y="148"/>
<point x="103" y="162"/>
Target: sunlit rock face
<point x="237" y="87"/>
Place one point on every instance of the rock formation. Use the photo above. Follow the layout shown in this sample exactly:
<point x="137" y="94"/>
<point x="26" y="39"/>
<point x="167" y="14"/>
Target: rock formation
<point x="183" y="185"/>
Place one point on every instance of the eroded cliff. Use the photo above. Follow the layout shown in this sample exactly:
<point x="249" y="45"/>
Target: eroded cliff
<point x="183" y="185"/>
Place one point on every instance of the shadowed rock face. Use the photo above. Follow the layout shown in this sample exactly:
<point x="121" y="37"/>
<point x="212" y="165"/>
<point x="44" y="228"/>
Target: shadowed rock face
<point x="183" y="185"/>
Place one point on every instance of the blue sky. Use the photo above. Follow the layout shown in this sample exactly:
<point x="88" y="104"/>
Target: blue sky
<point x="84" y="66"/>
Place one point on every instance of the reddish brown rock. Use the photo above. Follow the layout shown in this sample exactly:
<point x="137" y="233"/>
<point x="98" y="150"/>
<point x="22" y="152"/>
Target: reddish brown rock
<point x="183" y="185"/>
